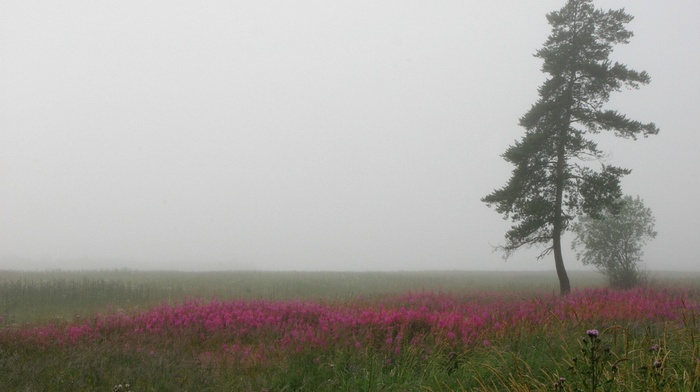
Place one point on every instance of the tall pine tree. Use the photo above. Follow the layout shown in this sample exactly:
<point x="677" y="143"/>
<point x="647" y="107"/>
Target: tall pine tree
<point x="553" y="180"/>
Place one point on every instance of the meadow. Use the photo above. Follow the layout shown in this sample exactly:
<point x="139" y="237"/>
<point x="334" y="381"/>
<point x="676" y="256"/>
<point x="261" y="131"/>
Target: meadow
<point x="130" y="330"/>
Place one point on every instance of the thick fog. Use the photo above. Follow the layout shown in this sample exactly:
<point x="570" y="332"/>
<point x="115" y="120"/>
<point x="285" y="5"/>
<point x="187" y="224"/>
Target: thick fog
<point x="307" y="135"/>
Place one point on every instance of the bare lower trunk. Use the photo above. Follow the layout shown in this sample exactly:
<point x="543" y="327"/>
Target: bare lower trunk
<point x="564" y="285"/>
<point x="558" y="224"/>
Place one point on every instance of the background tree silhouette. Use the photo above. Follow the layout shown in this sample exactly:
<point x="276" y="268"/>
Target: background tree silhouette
<point x="613" y="242"/>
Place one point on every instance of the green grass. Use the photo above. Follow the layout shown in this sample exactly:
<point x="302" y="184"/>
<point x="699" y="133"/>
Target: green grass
<point x="530" y="358"/>
<point x="534" y="366"/>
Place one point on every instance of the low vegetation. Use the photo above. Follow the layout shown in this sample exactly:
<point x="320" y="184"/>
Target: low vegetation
<point x="423" y="333"/>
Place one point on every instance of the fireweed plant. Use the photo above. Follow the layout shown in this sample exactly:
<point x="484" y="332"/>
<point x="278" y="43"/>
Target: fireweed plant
<point x="427" y="340"/>
<point x="456" y="321"/>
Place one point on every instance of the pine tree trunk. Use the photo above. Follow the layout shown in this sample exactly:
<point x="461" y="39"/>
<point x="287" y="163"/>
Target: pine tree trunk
<point x="564" y="285"/>
<point x="557" y="225"/>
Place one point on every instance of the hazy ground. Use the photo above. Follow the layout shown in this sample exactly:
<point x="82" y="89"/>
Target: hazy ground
<point x="38" y="296"/>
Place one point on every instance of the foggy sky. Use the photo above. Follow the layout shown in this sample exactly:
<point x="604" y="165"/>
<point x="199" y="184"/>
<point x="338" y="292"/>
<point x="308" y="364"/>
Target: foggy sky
<point x="307" y="135"/>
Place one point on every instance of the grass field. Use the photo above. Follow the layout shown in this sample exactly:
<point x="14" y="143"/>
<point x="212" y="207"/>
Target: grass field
<point x="293" y="331"/>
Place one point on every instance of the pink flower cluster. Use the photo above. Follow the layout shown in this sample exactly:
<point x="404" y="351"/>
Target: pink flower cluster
<point x="419" y="319"/>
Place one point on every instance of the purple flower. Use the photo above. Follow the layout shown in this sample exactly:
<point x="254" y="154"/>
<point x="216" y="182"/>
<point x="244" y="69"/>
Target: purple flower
<point x="559" y="383"/>
<point x="654" y="348"/>
<point x="592" y="333"/>
<point x="657" y="364"/>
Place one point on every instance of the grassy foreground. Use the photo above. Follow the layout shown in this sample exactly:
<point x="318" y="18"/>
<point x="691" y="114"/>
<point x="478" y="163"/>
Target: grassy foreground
<point x="253" y="331"/>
